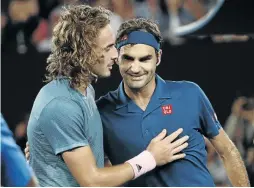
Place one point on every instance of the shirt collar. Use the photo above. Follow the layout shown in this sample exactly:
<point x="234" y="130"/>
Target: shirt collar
<point x="161" y="92"/>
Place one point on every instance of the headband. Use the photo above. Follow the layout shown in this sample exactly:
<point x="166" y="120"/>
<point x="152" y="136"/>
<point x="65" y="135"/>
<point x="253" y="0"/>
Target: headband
<point x="139" y="37"/>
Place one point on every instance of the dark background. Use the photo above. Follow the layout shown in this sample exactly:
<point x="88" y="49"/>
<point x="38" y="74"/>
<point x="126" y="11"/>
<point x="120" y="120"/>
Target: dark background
<point x="223" y="71"/>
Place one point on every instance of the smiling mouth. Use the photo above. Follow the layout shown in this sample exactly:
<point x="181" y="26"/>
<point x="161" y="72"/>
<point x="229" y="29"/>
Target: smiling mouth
<point x="135" y="77"/>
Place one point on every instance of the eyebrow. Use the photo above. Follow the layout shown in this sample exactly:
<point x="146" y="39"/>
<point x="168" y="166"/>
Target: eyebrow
<point x="147" y="57"/>
<point x="144" y="58"/>
<point x="109" y="46"/>
<point x="125" y="56"/>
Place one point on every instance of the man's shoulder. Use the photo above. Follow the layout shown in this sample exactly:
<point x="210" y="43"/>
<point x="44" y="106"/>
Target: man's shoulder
<point x="182" y="86"/>
<point x="107" y="100"/>
<point x="58" y="87"/>
<point x="55" y="93"/>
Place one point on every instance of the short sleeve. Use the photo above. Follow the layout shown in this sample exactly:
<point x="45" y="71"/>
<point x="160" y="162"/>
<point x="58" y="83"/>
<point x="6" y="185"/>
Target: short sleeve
<point x="62" y="122"/>
<point x="209" y="121"/>
<point x="15" y="170"/>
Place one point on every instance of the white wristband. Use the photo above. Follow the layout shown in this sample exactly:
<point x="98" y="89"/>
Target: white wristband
<point x="142" y="163"/>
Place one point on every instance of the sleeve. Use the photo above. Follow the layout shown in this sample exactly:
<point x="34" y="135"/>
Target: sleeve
<point x="16" y="171"/>
<point x="63" y="122"/>
<point x="209" y="122"/>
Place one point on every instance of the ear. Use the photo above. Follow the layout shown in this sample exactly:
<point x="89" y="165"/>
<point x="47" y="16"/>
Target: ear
<point x="159" y="58"/>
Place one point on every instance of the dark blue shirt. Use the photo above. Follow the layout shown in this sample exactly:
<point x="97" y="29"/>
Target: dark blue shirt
<point x="15" y="170"/>
<point x="128" y="131"/>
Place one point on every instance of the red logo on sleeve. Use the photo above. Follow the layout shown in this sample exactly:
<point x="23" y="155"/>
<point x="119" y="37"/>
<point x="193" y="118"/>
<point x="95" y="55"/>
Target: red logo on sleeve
<point x="167" y="109"/>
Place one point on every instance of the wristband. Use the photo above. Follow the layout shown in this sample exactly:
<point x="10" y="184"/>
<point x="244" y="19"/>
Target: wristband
<point x="142" y="163"/>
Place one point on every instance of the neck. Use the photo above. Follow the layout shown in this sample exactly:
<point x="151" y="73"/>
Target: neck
<point x="141" y="96"/>
<point x="82" y="89"/>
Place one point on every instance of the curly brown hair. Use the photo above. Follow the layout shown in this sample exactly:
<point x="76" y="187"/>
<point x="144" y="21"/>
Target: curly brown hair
<point x="139" y="24"/>
<point x="74" y="41"/>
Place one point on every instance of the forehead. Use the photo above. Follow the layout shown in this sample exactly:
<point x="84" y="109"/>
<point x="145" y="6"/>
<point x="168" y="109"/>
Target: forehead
<point x="106" y="37"/>
<point x="137" y="50"/>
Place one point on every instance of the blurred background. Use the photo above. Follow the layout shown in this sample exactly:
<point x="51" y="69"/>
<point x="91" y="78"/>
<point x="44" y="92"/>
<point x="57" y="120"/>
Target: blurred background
<point x="210" y="42"/>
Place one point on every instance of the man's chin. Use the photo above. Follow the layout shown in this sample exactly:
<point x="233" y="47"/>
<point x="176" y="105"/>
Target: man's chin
<point x="107" y="75"/>
<point x="136" y="86"/>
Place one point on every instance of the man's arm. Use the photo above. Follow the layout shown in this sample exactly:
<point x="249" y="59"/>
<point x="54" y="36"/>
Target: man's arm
<point x="32" y="182"/>
<point x="82" y="165"/>
<point x="233" y="163"/>
<point x="212" y="129"/>
<point x="107" y="162"/>
<point x="16" y="171"/>
<point x="62" y="122"/>
<point x="87" y="174"/>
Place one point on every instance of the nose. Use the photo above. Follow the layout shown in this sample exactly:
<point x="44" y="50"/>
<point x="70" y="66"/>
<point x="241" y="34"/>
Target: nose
<point x="114" y="55"/>
<point x="135" y="68"/>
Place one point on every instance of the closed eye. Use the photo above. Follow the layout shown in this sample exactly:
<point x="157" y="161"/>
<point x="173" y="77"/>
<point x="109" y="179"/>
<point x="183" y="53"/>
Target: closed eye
<point x="128" y="58"/>
<point x="146" y="58"/>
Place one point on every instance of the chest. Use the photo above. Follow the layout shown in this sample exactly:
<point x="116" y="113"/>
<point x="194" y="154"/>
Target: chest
<point x="132" y="131"/>
<point x="92" y="125"/>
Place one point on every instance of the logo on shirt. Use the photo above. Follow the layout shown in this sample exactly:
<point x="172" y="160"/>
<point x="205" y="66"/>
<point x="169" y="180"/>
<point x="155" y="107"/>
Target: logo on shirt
<point x="167" y="109"/>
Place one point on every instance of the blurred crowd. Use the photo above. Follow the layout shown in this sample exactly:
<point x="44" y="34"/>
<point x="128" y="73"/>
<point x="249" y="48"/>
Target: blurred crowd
<point x="240" y="128"/>
<point x="26" y="22"/>
<point x="30" y="22"/>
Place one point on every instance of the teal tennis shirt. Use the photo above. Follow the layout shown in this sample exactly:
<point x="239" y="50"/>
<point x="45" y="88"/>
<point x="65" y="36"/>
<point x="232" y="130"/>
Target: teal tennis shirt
<point x="62" y="119"/>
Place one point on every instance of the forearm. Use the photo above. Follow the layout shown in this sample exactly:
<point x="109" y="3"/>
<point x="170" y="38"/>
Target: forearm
<point x="33" y="182"/>
<point x="120" y="174"/>
<point x="107" y="163"/>
<point x="235" y="168"/>
<point x="112" y="176"/>
<point x="87" y="173"/>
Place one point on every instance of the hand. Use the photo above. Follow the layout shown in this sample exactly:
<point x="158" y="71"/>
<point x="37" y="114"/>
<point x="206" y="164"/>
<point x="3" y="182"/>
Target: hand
<point x="20" y="11"/>
<point x="248" y="115"/>
<point x="237" y="106"/>
<point x="27" y="154"/>
<point x="165" y="149"/>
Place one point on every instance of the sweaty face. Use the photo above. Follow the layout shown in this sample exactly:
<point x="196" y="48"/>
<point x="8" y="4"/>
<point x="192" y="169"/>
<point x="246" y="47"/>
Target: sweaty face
<point x="106" y="51"/>
<point x="137" y="64"/>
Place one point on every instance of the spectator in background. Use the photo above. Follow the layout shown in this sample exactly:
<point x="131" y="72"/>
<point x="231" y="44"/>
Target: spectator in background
<point x="215" y="166"/>
<point x="20" y="132"/>
<point x="240" y="124"/>
<point x="155" y="10"/>
<point x="43" y="35"/>
<point x="250" y="165"/>
<point x="15" y="171"/>
<point x="121" y="10"/>
<point x="3" y="20"/>
<point x="22" y="21"/>
<point x="24" y="18"/>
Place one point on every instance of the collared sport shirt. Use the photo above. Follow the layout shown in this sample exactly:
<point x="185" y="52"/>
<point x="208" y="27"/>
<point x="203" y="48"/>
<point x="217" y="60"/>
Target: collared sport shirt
<point x="61" y="120"/>
<point x="128" y="130"/>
